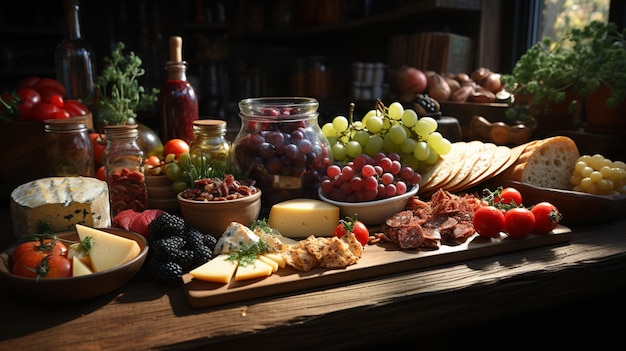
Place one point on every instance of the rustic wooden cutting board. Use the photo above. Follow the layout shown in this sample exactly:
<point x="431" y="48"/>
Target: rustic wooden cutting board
<point x="377" y="260"/>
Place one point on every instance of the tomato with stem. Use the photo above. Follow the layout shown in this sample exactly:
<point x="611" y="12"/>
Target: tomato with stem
<point x="354" y="226"/>
<point x="547" y="217"/>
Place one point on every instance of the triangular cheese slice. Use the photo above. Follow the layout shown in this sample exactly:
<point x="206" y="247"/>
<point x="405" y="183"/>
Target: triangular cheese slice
<point x="270" y="262"/>
<point x="256" y="269"/>
<point x="109" y="250"/>
<point x="218" y="270"/>
<point x="79" y="268"/>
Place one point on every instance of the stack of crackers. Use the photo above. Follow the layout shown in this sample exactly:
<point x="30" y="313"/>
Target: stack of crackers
<point x="466" y="165"/>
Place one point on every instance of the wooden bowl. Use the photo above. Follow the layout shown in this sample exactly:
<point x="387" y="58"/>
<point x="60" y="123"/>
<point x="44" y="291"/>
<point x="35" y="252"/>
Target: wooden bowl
<point x="75" y="288"/>
<point x="213" y="217"/>
<point x="161" y="195"/>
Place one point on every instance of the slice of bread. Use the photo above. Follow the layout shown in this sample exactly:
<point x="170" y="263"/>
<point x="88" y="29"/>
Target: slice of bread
<point x="546" y="163"/>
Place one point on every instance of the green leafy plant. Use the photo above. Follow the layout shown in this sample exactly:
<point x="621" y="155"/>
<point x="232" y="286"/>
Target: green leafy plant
<point x="581" y="60"/>
<point x="120" y="94"/>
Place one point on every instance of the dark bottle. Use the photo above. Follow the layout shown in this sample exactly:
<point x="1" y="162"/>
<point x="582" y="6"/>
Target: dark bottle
<point x="177" y="102"/>
<point x="75" y="60"/>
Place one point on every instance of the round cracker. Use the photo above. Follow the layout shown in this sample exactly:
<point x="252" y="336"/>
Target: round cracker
<point x="450" y="163"/>
<point x="493" y="157"/>
<point x="477" y="158"/>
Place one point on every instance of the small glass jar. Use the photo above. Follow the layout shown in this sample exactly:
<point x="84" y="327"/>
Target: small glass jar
<point x="282" y="146"/>
<point x="210" y="140"/>
<point x="69" y="151"/>
<point x="124" y="169"/>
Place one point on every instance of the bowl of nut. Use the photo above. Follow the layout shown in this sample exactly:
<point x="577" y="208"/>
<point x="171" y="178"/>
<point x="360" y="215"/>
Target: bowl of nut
<point x="213" y="203"/>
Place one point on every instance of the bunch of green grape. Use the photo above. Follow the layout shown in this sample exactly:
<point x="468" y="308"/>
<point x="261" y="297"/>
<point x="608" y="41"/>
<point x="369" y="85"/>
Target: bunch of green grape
<point x="391" y="129"/>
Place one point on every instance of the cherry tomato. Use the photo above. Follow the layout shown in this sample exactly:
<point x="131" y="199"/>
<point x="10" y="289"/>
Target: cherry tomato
<point x="28" y="82"/>
<point x="354" y="226"/>
<point x="62" y="114"/>
<point x="153" y="161"/>
<point x="30" y="97"/>
<point x="57" y="100"/>
<point x="176" y="147"/>
<point x="47" y="87"/>
<point x="39" y="248"/>
<point x="547" y="217"/>
<point x="509" y="196"/>
<point x="519" y="222"/>
<point x="99" y="144"/>
<point x="75" y="107"/>
<point x="100" y="173"/>
<point x="488" y="221"/>
<point x="45" y="110"/>
<point x="50" y="266"/>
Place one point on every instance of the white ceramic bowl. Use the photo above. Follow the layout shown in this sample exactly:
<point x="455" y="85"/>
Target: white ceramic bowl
<point x="372" y="212"/>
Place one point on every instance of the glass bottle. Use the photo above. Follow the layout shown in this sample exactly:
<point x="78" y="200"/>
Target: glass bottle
<point x="75" y="59"/>
<point x="124" y="169"/>
<point x="281" y="144"/>
<point x="177" y="102"/>
<point x="69" y="151"/>
<point x="210" y="140"/>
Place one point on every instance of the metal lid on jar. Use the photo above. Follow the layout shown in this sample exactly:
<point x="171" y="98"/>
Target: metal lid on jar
<point x="69" y="125"/>
<point x="121" y="131"/>
<point x="213" y="126"/>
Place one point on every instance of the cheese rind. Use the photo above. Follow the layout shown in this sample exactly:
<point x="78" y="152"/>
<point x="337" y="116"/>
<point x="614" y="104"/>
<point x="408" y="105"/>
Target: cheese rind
<point x="61" y="202"/>
<point x="256" y="269"/>
<point x="300" y="218"/>
<point x="218" y="270"/>
<point x="109" y="250"/>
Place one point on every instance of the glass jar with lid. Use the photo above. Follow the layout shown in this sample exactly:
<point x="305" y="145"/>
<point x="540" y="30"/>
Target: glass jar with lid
<point x="124" y="169"/>
<point x="210" y="140"/>
<point x="282" y="147"/>
<point x="69" y="151"/>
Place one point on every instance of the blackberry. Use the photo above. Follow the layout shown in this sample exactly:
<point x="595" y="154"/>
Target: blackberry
<point x="165" y="272"/>
<point x="185" y="258"/>
<point x="201" y="255"/>
<point x="194" y="237"/>
<point x="166" y="225"/>
<point x="167" y="248"/>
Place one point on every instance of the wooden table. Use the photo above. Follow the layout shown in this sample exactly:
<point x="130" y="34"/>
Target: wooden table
<point x="565" y="295"/>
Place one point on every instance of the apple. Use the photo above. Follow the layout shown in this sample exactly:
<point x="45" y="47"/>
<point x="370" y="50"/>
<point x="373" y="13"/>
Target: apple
<point x="407" y="82"/>
<point x="99" y="144"/>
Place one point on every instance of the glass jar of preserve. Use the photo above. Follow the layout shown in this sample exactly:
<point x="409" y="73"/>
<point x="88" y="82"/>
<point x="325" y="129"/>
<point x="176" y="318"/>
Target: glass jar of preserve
<point x="282" y="147"/>
<point x="69" y="151"/>
<point x="124" y="169"/>
<point x="210" y="140"/>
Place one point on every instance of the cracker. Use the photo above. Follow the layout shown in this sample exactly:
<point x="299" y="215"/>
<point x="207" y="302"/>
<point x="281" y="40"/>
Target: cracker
<point x="475" y="151"/>
<point x="492" y="157"/>
<point x="450" y="164"/>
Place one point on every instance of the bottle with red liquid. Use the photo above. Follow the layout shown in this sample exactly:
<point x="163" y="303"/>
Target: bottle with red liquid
<point x="177" y="102"/>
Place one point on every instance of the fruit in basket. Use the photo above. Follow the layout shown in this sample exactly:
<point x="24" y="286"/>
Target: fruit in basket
<point x="407" y="82"/>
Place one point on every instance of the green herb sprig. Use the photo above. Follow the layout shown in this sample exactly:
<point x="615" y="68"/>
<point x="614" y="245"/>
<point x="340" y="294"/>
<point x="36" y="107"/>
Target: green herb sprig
<point x="247" y="253"/>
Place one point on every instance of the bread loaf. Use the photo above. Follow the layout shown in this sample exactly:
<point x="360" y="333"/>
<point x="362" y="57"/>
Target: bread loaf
<point x="545" y="163"/>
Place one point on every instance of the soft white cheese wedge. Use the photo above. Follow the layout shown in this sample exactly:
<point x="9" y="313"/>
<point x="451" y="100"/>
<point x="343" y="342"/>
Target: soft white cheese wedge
<point x="109" y="250"/>
<point x="256" y="269"/>
<point x="79" y="268"/>
<point x="218" y="270"/>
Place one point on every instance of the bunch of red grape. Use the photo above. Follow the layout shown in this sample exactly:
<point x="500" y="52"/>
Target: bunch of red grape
<point x="368" y="178"/>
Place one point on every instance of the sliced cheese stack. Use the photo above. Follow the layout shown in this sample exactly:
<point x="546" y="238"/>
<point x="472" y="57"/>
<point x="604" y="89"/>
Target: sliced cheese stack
<point x="300" y="218"/>
<point x="221" y="269"/>
<point x="109" y="250"/>
<point x="61" y="203"/>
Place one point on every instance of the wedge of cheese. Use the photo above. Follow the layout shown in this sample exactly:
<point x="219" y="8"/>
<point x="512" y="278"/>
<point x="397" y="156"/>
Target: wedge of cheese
<point x="218" y="270"/>
<point x="276" y="257"/>
<point x="270" y="262"/>
<point x="109" y="250"/>
<point x="60" y="203"/>
<point x="234" y="237"/>
<point x="300" y="218"/>
<point x="79" y="268"/>
<point x="256" y="269"/>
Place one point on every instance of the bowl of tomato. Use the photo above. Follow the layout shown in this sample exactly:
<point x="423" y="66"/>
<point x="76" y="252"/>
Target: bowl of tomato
<point x="56" y="286"/>
<point x="372" y="212"/>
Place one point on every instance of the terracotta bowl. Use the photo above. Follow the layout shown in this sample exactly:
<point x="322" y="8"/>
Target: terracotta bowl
<point x="75" y="288"/>
<point x="213" y="217"/>
<point x="372" y="212"/>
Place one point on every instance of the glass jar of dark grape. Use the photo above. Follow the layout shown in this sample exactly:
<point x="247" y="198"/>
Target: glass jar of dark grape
<point x="282" y="146"/>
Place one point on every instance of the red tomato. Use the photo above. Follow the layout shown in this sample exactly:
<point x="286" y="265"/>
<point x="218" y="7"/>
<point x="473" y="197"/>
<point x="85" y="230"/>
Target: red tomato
<point x="62" y="114"/>
<point x="75" y="108"/>
<point x="100" y="173"/>
<point x="44" y="110"/>
<point x="354" y="226"/>
<point x="519" y="222"/>
<point x="28" y="82"/>
<point x="509" y="196"/>
<point x="547" y="217"/>
<point x="57" y="100"/>
<point x="30" y="97"/>
<point x="488" y="221"/>
<point x="50" y="266"/>
<point x="47" y="87"/>
<point x="36" y="247"/>
<point x="99" y="144"/>
<point x="153" y="161"/>
<point x="176" y="147"/>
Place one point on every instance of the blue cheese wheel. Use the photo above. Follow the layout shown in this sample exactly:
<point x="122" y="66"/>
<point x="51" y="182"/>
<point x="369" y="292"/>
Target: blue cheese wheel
<point x="60" y="203"/>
